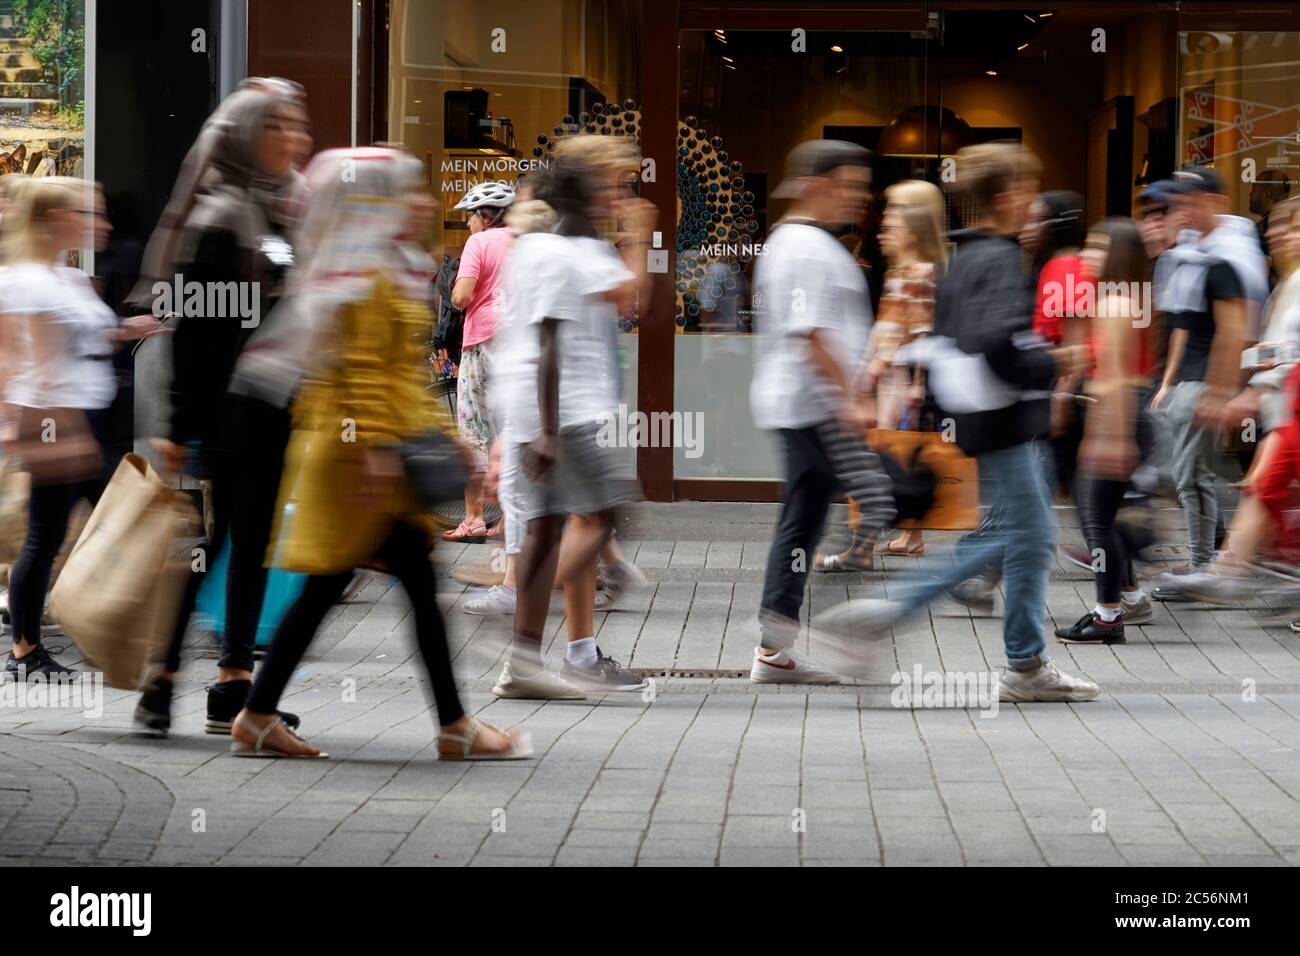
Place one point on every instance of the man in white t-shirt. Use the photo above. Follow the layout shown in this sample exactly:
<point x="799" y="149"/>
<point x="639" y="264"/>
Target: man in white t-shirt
<point x="812" y="316"/>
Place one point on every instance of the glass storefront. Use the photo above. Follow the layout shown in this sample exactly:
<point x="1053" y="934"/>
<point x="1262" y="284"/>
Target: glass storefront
<point x="1110" y="96"/>
<point x="1239" y="111"/>
<point x="480" y="89"/>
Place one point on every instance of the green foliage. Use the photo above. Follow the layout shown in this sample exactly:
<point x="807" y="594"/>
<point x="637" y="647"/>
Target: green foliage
<point x="58" y="32"/>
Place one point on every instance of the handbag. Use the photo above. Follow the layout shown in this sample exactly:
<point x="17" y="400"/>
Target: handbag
<point x="955" y="505"/>
<point x="55" y="446"/>
<point x="435" y="467"/>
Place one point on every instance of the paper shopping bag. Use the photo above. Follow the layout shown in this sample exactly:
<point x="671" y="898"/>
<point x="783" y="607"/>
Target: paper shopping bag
<point x="956" y="493"/>
<point x="113" y="597"/>
<point x="15" y="489"/>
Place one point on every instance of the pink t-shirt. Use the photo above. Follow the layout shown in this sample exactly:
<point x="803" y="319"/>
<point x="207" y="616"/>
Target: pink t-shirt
<point x="481" y="260"/>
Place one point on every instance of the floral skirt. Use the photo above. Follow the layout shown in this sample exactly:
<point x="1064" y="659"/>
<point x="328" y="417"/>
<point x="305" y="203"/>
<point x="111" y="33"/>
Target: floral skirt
<point x="473" y="415"/>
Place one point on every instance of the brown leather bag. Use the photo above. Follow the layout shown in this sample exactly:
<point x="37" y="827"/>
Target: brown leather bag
<point x="55" y="446"/>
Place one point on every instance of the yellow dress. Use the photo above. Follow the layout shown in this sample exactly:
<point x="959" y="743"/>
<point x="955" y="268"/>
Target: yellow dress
<point x="368" y="387"/>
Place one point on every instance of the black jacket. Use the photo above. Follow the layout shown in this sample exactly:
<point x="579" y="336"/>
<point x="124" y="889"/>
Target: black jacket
<point x="985" y="305"/>
<point x="205" y="348"/>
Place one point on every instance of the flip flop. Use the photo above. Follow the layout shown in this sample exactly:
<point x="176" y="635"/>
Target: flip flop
<point x="465" y="534"/>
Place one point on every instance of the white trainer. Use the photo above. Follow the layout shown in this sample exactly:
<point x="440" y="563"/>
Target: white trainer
<point x="1047" y="683"/>
<point x="781" y="668"/>
<point x="536" y="685"/>
<point x="496" y="602"/>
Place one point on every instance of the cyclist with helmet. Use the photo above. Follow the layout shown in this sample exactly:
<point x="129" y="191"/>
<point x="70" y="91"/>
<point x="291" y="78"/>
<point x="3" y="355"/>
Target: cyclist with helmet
<point x="476" y="291"/>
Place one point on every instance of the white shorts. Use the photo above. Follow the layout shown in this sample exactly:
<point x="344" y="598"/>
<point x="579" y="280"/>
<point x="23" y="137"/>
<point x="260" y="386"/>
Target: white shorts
<point x="508" y="496"/>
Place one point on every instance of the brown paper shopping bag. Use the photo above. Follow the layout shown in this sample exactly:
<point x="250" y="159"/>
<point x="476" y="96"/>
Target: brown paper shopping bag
<point x="121" y="582"/>
<point x="15" y="489"/>
<point x="956" y="493"/>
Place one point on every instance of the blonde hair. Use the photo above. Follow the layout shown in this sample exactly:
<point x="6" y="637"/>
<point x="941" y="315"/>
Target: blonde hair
<point x="31" y="201"/>
<point x="619" y="153"/>
<point x="987" y="170"/>
<point x="530" y="215"/>
<point x="923" y="212"/>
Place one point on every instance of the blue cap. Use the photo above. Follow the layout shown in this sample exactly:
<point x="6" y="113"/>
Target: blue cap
<point x="1198" y="179"/>
<point x="1158" y="193"/>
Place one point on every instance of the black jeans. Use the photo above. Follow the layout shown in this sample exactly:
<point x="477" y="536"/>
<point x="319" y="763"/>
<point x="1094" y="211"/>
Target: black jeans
<point x="1099" y="501"/>
<point x="406" y="555"/>
<point x="809" y="485"/>
<point x="244" y="467"/>
<point x="48" y="511"/>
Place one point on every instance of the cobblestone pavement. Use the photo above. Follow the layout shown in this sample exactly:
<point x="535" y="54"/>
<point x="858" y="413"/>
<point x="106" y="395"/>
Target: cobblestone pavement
<point x="1189" y="757"/>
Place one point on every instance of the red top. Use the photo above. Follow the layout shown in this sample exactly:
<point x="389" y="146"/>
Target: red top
<point x="1064" y="292"/>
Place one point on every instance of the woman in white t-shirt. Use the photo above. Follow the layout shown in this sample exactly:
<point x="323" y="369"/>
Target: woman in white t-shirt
<point x="58" y="368"/>
<point x="564" y="292"/>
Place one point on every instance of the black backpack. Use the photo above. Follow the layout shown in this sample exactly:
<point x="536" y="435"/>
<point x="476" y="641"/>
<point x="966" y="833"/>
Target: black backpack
<point x="450" y="332"/>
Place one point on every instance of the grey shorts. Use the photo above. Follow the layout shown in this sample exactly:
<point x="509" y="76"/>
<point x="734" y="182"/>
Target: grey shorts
<point x="585" y="479"/>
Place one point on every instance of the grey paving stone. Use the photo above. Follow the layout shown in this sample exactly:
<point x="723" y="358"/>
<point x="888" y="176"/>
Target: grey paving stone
<point x="712" y="771"/>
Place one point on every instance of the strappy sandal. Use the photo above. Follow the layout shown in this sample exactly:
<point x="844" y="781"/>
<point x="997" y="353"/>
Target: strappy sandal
<point x="523" y="744"/>
<point x="465" y="533"/>
<point x="891" y="547"/>
<point x="259" y="749"/>
<point x="836" y="563"/>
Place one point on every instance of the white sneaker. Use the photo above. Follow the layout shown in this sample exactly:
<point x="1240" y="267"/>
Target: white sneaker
<point x="1047" y="683"/>
<point x="496" y="602"/>
<point x="781" y="668"/>
<point x="537" y="685"/>
<point x="49" y="626"/>
<point x="853" y="639"/>
<point x="617" y="581"/>
<point x="862" y="618"/>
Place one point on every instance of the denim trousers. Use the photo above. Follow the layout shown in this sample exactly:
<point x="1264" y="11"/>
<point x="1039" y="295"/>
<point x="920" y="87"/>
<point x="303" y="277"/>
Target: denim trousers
<point x="1018" y="535"/>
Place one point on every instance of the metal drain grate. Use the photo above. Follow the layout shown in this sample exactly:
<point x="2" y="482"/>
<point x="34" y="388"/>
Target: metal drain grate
<point x="701" y="673"/>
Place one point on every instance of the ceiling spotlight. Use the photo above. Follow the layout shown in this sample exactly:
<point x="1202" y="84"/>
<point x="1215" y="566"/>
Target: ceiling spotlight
<point x="1044" y="15"/>
<point x="1030" y="19"/>
<point x="837" y="49"/>
<point x="1021" y="47"/>
<point x="990" y="72"/>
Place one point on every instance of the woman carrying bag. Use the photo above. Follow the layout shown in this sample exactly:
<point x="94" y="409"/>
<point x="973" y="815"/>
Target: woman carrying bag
<point x="228" y="227"/>
<point x="362" y="401"/>
<point x="59" y="384"/>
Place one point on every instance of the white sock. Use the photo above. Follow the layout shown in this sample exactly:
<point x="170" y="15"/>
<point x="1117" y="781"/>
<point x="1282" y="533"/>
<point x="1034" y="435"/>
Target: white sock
<point x="1107" y="614"/>
<point x="582" y="652"/>
<point x="507" y="590"/>
<point x="1132" y="597"/>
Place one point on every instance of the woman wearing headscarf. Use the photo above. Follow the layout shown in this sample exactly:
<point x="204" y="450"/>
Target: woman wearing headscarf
<point x="356" y="347"/>
<point x="218" y="268"/>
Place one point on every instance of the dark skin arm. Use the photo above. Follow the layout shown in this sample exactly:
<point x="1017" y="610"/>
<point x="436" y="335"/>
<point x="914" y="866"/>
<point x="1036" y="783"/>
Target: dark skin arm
<point x="539" y="458"/>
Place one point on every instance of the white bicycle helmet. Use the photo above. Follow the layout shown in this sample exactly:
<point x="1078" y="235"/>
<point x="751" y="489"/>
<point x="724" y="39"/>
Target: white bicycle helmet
<point x="488" y="195"/>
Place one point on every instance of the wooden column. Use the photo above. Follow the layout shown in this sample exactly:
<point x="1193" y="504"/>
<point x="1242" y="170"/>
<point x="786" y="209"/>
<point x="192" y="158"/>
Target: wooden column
<point x="655" y="372"/>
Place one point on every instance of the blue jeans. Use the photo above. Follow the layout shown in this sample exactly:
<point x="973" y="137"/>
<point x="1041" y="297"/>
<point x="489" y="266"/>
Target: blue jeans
<point x="1018" y="535"/>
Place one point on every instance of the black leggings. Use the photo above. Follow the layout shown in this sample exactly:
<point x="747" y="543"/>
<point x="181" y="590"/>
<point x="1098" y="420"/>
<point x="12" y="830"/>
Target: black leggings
<point x="406" y="555"/>
<point x="244" y="470"/>
<point x="49" y="510"/>
<point x="1099" y="501"/>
